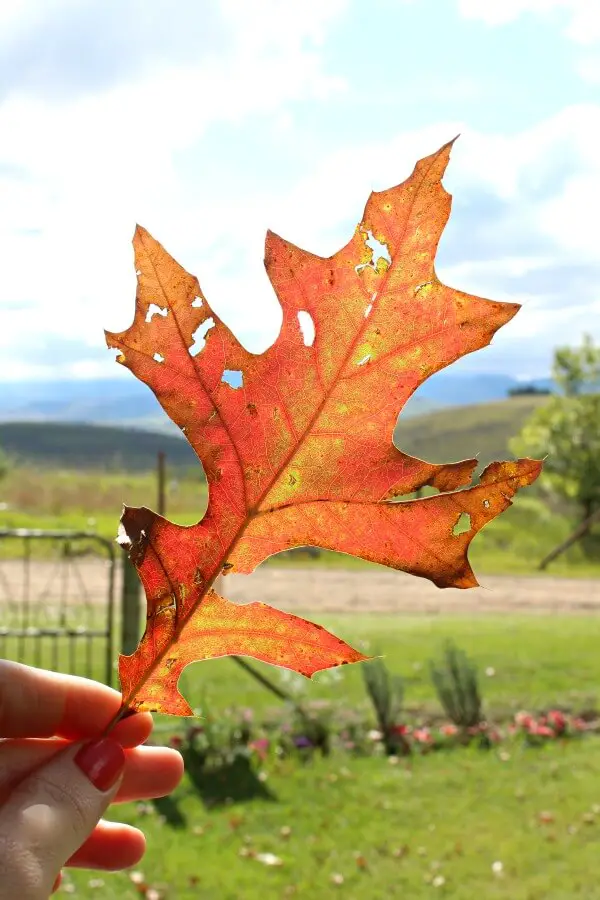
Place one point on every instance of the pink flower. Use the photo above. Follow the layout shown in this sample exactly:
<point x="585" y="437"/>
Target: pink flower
<point x="422" y="735"/>
<point x="579" y="724"/>
<point x="448" y="730"/>
<point x="524" y="719"/>
<point x="260" y="747"/>
<point x="542" y="731"/>
<point x="557" y="721"/>
<point x="400" y="729"/>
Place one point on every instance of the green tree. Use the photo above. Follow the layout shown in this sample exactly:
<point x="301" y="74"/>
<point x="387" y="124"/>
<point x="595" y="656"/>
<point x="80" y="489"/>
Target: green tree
<point x="566" y="429"/>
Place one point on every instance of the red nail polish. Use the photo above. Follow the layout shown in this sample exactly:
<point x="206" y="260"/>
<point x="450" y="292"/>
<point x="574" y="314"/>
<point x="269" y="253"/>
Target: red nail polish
<point x="102" y="762"/>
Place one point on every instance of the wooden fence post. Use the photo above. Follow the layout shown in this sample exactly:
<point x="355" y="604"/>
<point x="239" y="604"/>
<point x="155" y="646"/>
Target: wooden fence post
<point x="131" y="595"/>
<point x="161" y="471"/>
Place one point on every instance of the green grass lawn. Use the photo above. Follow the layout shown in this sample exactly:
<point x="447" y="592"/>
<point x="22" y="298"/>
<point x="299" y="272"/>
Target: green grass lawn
<point x="514" y="543"/>
<point x="433" y="826"/>
<point x="367" y="829"/>
<point x="534" y="661"/>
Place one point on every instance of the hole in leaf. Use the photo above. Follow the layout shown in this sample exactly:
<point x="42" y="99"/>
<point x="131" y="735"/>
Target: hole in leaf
<point x="486" y="503"/>
<point x="370" y="306"/>
<point x="158" y="357"/>
<point x="379" y="250"/>
<point x="420" y="287"/>
<point x="153" y="309"/>
<point x="307" y="327"/>
<point x="199" y="336"/>
<point x="233" y="377"/>
<point x="463" y="524"/>
<point x="196" y="302"/>
<point x="364" y="360"/>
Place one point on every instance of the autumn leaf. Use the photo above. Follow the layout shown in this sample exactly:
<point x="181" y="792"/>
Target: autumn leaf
<point x="296" y="442"/>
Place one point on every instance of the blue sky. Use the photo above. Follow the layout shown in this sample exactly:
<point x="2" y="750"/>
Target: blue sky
<point x="209" y="122"/>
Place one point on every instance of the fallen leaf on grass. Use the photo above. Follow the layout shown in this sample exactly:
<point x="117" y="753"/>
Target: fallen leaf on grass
<point x="361" y="861"/>
<point x="268" y="859"/>
<point x="546" y="817"/>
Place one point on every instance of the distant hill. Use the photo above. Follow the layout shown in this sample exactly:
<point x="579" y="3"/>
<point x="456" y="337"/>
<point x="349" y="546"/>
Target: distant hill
<point x="445" y="435"/>
<point x="115" y="401"/>
<point x="482" y="430"/>
<point x="81" y="446"/>
<point x="452" y="388"/>
<point x="126" y="401"/>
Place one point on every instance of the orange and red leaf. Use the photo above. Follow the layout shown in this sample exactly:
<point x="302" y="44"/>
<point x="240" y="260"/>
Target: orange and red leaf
<point x="302" y="452"/>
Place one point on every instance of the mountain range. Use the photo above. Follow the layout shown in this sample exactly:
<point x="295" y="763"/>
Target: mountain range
<point x="126" y="401"/>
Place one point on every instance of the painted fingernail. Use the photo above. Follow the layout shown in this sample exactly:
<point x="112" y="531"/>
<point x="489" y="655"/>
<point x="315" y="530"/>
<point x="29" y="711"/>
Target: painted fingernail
<point x="102" y="762"/>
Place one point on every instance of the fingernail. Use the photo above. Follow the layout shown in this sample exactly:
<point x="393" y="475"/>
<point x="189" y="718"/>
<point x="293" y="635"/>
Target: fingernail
<point x="102" y="762"/>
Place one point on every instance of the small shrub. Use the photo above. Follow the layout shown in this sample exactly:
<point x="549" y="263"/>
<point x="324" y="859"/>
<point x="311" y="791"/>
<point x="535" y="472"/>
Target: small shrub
<point x="386" y="693"/>
<point x="456" y="684"/>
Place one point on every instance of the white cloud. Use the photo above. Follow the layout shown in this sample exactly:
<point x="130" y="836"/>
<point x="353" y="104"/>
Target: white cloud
<point x="76" y="174"/>
<point x="581" y="17"/>
<point x="588" y="68"/>
<point x="547" y="181"/>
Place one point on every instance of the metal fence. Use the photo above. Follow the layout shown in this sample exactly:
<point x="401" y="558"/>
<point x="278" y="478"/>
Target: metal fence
<point x="57" y="601"/>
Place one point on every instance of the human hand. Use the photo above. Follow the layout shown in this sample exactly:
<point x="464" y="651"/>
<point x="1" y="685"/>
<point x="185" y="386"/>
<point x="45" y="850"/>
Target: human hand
<point x="57" y="778"/>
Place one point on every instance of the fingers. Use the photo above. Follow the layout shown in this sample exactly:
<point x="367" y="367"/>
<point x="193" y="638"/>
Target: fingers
<point x="52" y="812"/>
<point x="36" y="703"/>
<point x="149" y="771"/>
<point x="111" y="846"/>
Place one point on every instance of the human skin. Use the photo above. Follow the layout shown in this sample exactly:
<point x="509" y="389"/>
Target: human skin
<point x="57" y="778"/>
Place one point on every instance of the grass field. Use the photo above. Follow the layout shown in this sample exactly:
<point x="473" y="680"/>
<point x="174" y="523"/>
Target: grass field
<point x="536" y="661"/>
<point x="461" y="825"/>
<point x="508" y="824"/>
<point x="31" y="498"/>
<point x="364" y="828"/>
<point x="44" y="496"/>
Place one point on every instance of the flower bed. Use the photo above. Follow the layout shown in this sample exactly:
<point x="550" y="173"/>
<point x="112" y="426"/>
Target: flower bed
<point x="324" y="729"/>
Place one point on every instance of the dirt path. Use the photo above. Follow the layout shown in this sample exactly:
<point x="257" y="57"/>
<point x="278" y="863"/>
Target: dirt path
<point x="335" y="590"/>
<point x="373" y="591"/>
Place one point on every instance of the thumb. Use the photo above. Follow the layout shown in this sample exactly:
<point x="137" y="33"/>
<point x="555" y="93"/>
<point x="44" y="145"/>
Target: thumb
<point x="52" y="812"/>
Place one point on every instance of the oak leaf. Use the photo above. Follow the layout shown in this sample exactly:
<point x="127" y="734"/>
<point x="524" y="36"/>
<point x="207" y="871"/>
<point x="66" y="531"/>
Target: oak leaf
<point x="299" y="450"/>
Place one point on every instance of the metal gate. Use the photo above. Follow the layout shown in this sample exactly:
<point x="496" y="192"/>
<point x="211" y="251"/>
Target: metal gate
<point x="57" y="594"/>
